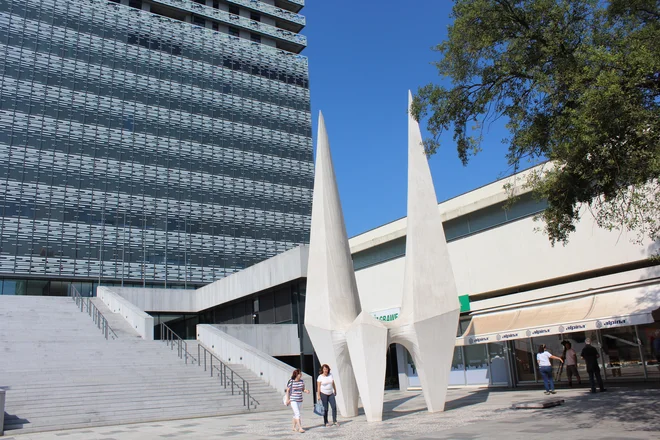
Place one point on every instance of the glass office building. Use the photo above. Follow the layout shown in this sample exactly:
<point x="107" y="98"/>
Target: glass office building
<point x="157" y="143"/>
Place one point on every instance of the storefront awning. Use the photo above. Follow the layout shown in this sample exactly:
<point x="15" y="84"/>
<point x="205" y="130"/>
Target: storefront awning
<point x="618" y="308"/>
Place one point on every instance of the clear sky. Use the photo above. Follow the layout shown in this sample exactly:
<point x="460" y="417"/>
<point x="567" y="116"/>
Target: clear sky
<point x="364" y="56"/>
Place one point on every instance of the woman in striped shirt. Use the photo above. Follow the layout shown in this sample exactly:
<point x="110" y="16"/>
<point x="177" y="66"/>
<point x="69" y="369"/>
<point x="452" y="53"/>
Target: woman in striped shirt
<point x="295" y="389"/>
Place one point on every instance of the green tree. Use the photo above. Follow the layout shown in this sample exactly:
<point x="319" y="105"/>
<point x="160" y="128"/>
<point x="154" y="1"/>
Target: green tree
<point x="578" y="83"/>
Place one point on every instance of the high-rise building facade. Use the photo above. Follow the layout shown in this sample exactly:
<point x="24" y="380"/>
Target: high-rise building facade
<point x="155" y="142"/>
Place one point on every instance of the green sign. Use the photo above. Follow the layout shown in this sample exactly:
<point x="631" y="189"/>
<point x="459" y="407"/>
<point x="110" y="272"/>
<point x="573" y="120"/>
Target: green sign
<point x="465" y="303"/>
<point x="387" y="315"/>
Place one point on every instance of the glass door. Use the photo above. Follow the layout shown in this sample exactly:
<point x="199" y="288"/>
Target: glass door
<point x="476" y="364"/>
<point x="499" y="364"/>
<point x="621" y="353"/>
<point x="524" y="360"/>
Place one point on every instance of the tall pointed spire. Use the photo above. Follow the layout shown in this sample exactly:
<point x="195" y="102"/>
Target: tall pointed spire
<point x="429" y="306"/>
<point x="332" y="301"/>
<point x="428" y="272"/>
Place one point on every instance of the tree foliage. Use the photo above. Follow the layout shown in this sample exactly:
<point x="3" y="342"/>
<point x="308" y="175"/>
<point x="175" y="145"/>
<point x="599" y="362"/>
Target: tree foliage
<point x="578" y="83"/>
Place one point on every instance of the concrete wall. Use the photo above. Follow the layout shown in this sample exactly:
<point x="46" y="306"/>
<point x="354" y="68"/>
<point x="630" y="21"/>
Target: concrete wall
<point x="139" y="320"/>
<point x="272" y="339"/>
<point x="281" y="269"/>
<point x="233" y="351"/>
<point x="288" y="266"/>
<point x="509" y="255"/>
<point x="500" y="257"/>
<point x="159" y="300"/>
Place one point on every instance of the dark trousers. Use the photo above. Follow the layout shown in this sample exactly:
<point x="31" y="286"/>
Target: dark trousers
<point x="571" y="370"/>
<point x="325" y="399"/>
<point x="594" y="370"/>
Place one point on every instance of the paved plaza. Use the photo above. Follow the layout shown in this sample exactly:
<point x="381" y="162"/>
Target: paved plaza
<point x="472" y="413"/>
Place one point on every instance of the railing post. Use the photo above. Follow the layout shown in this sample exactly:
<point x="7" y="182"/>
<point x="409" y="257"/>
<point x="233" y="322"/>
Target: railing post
<point x="232" y="382"/>
<point x="244" y="393"/>
<point x="185" y="351"/>
<point x="199" y="358"/>
<point x="105" y="322"/>
<point x="205" y="359"/>
<point x="211" y="365"/>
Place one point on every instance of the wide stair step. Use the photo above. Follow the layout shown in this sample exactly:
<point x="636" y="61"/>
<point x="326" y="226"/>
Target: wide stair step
<point x="60" y="372"/>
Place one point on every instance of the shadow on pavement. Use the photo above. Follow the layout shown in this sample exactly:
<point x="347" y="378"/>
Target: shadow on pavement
<point x="474" y="398"/>
<point x="636" y="406"/>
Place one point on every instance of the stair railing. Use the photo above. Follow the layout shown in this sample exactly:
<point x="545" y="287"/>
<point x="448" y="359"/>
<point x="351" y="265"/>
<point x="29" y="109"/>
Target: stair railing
<point x="228" y="377"/>
<point x="85" y="304"/>
<point x="173" y="340"/>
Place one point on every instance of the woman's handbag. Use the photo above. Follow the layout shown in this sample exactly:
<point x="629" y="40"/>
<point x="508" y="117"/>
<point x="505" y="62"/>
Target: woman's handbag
<point x="285" y="399"/>
<point x="318" y="409"/>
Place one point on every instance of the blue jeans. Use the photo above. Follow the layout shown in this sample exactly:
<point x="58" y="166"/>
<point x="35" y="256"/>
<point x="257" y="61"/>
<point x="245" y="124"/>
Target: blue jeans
<point x="546" y="374"/>
<point x="325" y="399"/>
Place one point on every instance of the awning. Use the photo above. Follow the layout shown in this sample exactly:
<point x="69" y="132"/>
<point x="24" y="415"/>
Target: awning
<point x="609" y="309"/>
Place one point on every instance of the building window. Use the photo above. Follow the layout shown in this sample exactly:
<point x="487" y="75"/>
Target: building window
<point x="199" y="21"/>
<point x="233" y="9"/>
<point x="216" y="4"/>
<point x="234" y="32"/>
<point x="254" y="16"/>
<point x="214" y="26"/>
<point x="255" y="37"/>
<point x="135" y="4"/>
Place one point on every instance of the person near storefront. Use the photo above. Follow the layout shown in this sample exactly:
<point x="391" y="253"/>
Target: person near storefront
<point x="656" y="347"/>
<point x="543" y="358"/>
<point x="570" y="364"/>
<point x="590" y="356"/>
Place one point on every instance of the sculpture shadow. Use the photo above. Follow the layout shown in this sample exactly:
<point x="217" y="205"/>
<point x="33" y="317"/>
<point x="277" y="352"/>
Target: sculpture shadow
<point x="389" y="407"/>
<point x="638" y="407"/>
<point x="474" y="398"/>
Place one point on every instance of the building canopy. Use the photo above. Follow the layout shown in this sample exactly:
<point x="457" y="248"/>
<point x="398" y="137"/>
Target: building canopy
<point x="591" y="311"/>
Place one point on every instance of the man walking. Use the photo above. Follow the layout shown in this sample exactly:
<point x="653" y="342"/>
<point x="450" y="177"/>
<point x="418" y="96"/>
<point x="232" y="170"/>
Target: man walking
<point x="570" y="364"/>
<point x="590" y="356"/>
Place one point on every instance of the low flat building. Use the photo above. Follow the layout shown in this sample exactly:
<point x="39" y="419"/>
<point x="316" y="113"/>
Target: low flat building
<point x="517" y="291"/>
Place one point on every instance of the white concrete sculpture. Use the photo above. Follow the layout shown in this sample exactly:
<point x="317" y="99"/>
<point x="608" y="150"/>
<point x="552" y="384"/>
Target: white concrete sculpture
<point x="334" y="302"/>
<point x="430" y="307"/>
<point x="427" y="324"/>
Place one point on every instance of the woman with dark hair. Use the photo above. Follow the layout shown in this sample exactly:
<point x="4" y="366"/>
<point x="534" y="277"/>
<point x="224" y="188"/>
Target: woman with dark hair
<point x="294" y="390"/>
<point x="545" y="367"/>
<point x="326" y="392"/>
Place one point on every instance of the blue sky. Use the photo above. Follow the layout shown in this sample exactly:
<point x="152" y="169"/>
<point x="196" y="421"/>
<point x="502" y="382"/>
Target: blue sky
<point x="364" y="56"/>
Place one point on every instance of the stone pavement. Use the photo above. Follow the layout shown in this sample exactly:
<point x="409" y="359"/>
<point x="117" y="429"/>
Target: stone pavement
<point x="631" y="412"/>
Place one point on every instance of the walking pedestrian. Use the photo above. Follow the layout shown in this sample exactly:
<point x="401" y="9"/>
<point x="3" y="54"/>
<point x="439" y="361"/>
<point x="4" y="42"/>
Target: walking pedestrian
<point x="326" y="392"/>
<point x="590" y="356"/>
<point x="295" y="389"/>
<point x="545" y="367"/>
<point x="570" y="363"/>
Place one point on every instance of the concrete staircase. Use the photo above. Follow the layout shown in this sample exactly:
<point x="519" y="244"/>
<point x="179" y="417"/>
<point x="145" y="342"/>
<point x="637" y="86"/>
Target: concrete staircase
<point x="60" y="372"/>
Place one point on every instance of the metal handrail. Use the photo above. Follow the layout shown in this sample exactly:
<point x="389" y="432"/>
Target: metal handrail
<point x="171" y="339"/>
<point x="228" y="377"/>
<point x="85" y="304"/>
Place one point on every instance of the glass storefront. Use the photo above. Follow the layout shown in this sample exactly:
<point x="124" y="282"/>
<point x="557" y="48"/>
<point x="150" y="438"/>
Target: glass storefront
<point x="622" y="357"/>
<point x="476" y="365"/>
<point x="649" y="337"/>
<point x="627" y="353"/>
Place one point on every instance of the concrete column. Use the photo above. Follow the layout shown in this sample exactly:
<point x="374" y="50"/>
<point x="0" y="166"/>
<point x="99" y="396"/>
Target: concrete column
<point x="2" y="411"/>
<point x="146" y="6"/>
<point x="402" y="364"/>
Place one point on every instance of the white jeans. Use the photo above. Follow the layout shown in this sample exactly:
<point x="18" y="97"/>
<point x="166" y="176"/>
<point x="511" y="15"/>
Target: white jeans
<point x="296" y="406"/>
